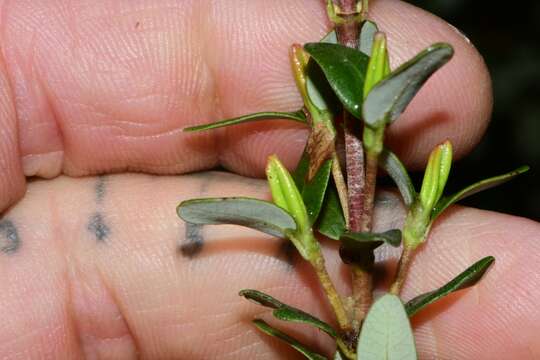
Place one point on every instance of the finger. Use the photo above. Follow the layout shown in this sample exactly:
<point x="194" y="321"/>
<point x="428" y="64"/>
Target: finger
<point x="110" y="280"/>
<point x="109" y="87"/>
<point x="455" y="104"/>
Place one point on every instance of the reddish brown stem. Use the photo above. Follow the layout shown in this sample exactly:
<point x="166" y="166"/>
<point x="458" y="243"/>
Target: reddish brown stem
<point x="348" y="32"/>
<point x="369" y="191"/>
<point x="354" y="157"/>
<point x="358" y="187"/>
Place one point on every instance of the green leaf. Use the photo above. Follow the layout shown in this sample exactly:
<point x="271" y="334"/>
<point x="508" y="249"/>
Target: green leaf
<point x="300" y="173"/>
<point x="331" y="220"/>
<point x="391" y="237"/>
<point x="267" y="115"/>
<point x="482" y="185"/>
<point x="466" y="279"/>
<point x="256" y="214"/>
<point x="295" y="344"/>
<point x="357" y="248"/>
<point x="386" y="332"/>
<point x="313" y="192"/>
<point x="378" y="67"/>
<point x="345" y="71"/>
<point x="319" y="91"/>
<point x="285" y="312"/>
<point x="397" y="171"/>
<point x="285" y="193"/>
<point x="369" y="28"/>
<point x="389" y="98"/>
<point x="436" y="175"/>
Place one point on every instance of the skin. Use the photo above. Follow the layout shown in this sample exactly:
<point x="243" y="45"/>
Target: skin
<point x="93" y="267"/>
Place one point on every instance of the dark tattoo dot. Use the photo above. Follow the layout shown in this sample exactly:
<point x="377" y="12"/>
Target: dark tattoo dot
<point x="194" y="241"/>
<point x="98" y="228"/>
<point x="100" y="189"/>
<point x="9" y="237"/>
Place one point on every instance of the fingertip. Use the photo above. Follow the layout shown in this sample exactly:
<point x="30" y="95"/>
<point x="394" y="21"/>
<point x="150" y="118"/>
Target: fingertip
<point x="454" y="104"/>
<point x="12" y="179"/>
<point x="247" y="149"/>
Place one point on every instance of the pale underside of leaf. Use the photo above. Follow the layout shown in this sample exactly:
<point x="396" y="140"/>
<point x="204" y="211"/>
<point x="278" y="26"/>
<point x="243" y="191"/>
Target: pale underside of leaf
<point x="470" y="277"/>
<point x="295" y="344"/>
<point x="369" y="28"/>
<point x="482" y="185"/>
<point x="397" y="171"/>
<point x="298" y="116"/>
<point x="255" y="214"/>
<point x="389" y="98"/>
<point x="386" y="332"/>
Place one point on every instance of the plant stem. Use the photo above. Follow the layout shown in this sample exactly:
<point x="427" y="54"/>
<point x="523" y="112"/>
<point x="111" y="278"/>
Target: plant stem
<point x="348" y="33"/>
<point x="354" y="157"/>
<point x="403" y="269"/>
<point x="372" y="164"/>
<point x="341" y="187"/>
<point x="334" y="298"/>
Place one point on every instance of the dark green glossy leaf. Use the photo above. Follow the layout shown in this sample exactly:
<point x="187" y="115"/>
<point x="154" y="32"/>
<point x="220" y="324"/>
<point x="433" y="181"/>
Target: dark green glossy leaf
<point x="386" y="332"/>
<point x="331" y="220"/>
<point x="345" y="71"/>
<point x="267" y="115"/>
<point x="313" y="191"/>
<point x="285" y="312"/>
<point x="389" y="98"/>
<point x="300" y="173"/>
<point x="357" y="248"/>
<point x="256" y="214"/>
<point x="482" y="185"/>
<point x="319" y="91"/>
<point x="369" y="28"/>
<point x="466" y="279"/>
<point x="397" y="171"/>
<point x="295" y="344"/>
<point x="363" y="239"/>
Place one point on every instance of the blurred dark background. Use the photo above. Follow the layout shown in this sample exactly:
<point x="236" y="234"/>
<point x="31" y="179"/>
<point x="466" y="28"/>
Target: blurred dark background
<point x="509" y="39"/>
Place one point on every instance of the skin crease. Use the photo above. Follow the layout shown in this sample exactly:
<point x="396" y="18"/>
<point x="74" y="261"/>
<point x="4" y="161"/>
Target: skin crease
<point x="101" y="86"/>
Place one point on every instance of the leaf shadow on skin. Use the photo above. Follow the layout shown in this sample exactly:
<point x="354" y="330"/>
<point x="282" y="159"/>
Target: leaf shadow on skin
<point x="410" y="135"/>
<point x="432" y="311"/>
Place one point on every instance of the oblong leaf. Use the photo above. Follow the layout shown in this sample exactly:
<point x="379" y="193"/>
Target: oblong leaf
<point x="285" y="312"/>
<point x="357" y="248"/>
<point x="386" y="332"/>
<point x="397" y="171"/>
<point x="255" y="214"/>
<point x="369" y="28"/>
<point x="313" y="192"/>
<point x="319" y="92"/>
<point x="285" y="193"/>
<point x="391" y="237"/>
<point x="345" y="71"/>
<point x="482" y="185"/>
<point x="466" y="279"/>
<point x="266" y="115"/>
<point x="295" y="344"/>
<point x="331" y="220"/>
<point x="389" y="98"/>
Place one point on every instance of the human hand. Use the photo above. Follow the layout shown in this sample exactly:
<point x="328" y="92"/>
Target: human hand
<point x="91" y="266"/>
